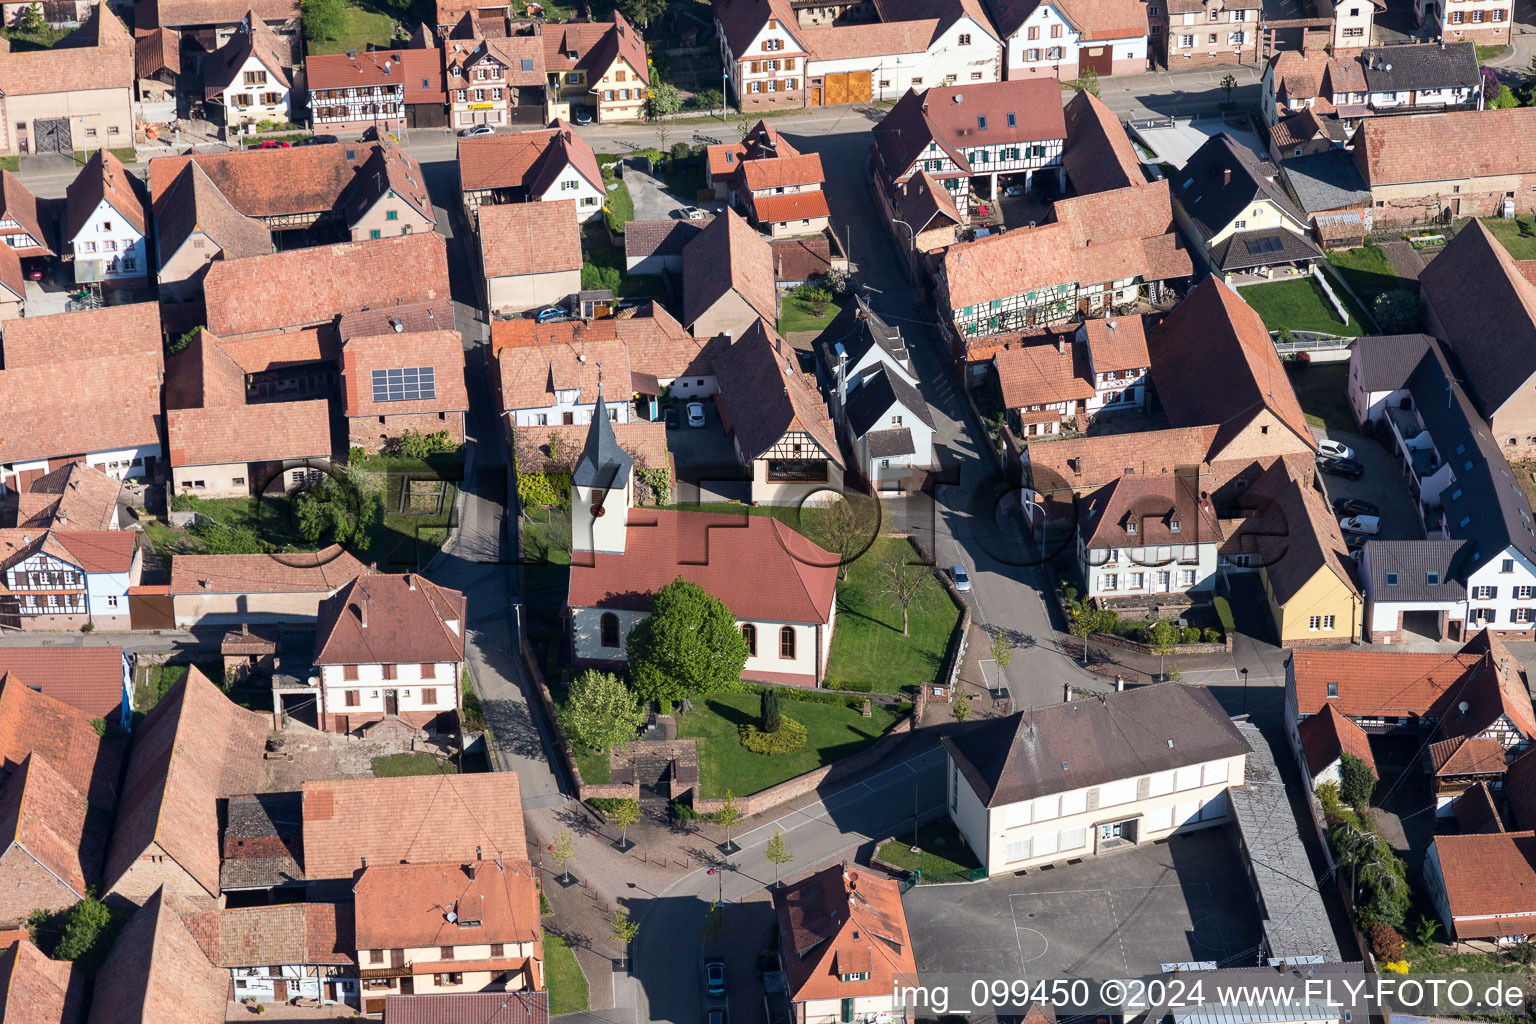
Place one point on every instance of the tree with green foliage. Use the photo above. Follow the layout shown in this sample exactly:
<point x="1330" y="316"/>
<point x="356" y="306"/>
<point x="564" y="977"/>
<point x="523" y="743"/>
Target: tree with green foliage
<point x="1528" y="82"/>
<point x="345" y="505"/>
<point x="624" y="814"/>
<point x="681" y="151"/>
<point x="690" y="645"/>
<point x="728" y="816"/>
<point x="1001" y="648"/>
<point x="624" y="931"/>
<point x="1356" y="781"/>
<point x="663" y="100"/>
<point x="86" y="931"/>
<point x="771" y="715"/>
<point x="1086" y="620"/>
<point x="1162" y="638"/>
<point x="322" y="19"/>
<point x="960" y="708"/>
<point x="1373" y="865"/>
<point x="778" y="853"/>
<point x="1396" y="311"/>
<point x="416" y="444"/>
<point x="902" y="579"/>
<point x="600" y="711"/>
<point x="563" y="850"/>
<point x="1228" y="84"/>
<point x="641" y="12"/>
<point x="32" y="21"/>
<point x="1505" y="99"/>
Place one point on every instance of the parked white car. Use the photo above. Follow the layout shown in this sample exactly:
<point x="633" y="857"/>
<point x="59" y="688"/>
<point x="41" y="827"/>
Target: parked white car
<point x="1368" y="525"/>
<point x="1334" y="450"/>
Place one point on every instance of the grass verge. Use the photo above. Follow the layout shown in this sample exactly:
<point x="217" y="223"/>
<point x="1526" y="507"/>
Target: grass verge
<point x="359" y="28"/>
<point x="868" y="646"/>
<point x="943" y="855"/>
<point x="389" y="766"/>
<point x="795" y="314"/>
<point x="563" y="977"/>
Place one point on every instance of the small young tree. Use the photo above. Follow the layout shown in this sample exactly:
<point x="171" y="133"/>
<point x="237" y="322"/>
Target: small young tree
<point x="1001" y="647"/>
<point x="664" y="100"/>
<point x="1085" y="621"/>
<point x="771" y="713"/>
<point x="1087" y="81"/>
<point x="846" y="526"/>
<point x="1504" y="98"/>
<point x="554" y="447"/>
<point x="624" y="931"/>
<point x="1356" y="780"/>
<point x="563" y="850"/>
<point x="689" y="645"/>
<point x="1161" y="638"/>
<point x="778" y="853"/>
<point x="32" y="21"/>
<point x="1228" y="84"/>
<point x="961" y="707"/>
<point x="728" y="816"/>
<point x="901" y="579"/>
<point x="600" y="711"/>
<point x="624" y="814"/>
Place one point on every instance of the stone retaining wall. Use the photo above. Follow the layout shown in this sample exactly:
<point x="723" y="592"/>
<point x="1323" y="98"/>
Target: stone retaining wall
<point x="584" y="790"/>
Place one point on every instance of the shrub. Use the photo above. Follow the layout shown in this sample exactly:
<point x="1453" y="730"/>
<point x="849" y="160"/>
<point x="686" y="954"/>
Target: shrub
<point x="413" y="444"/>
<point x="181" y="341"/>
<point x="543" y="488"/>
<point x="1189" y="635"/>
<point x="1386" y="943"/>
<point x="1396" y="966"/>
<point x="1224" y="614"/>
<point x="1397" y="311"/>
<point x="1356" y="781"/>
<point x="771" y="716"/>
<point x="705" y="99"/>
<point x="681" y="151"/>
<point x="1210" y="636"/>
<point x="87" y="931"/>
<point x="789" y="738"/>
<point x="855" y="686"/>
<point x="99" y="725"/>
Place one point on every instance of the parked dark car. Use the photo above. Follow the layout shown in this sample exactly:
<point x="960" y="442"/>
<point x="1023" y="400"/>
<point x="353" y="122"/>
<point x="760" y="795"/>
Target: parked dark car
<point x="672" y="417"/>
<point x="1354" y="507"/>
<point x="317" y="140"/>
<point x="1349" y="469"/>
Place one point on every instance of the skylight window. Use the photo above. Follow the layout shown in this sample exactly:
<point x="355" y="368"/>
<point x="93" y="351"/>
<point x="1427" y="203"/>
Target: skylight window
<point x="408" y="384"/>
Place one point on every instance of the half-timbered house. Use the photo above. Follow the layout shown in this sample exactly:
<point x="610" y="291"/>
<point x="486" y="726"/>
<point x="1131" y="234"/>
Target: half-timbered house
<point x="58" y="580"/>
<point x="351" y="92"/>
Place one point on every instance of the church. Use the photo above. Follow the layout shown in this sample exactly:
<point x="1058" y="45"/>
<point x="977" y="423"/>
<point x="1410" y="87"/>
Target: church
<point x="780" y="586"/>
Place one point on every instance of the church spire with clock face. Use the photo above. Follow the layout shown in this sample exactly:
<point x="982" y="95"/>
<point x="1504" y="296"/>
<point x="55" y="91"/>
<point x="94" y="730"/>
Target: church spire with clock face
<point x="600" y="487"/>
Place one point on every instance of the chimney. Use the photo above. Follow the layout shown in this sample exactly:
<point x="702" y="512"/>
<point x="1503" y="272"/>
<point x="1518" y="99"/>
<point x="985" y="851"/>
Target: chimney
<point x="1061" y="344"/>
<point x="362" y="611"/>
<point x="1226" y="176"/>
<point x="1503" y="666"/>
<point x="469" y="869"/>
<point x="1066" y="690"/>
<point x="245" y="629"/>
<point x="410" y="582"/>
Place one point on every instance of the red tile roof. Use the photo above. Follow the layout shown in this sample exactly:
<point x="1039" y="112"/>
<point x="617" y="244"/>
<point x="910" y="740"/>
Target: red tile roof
<point x="33" y="723"/>
<point x="132" y="329"/>
<point x="266" y="936"/>
<point x="742" y="20"/>
<point x="442" y="350"/>
<point x="20" y="205"/>
<point x="1154" y="504"/>
<point x="383" y="619"/>
<point x="272" y="182"/>
<point x="793" y="579"/>
<point x="1036" y="372"/>
<point x="401" y="905"/>
<point x="1466" y="755"/>
<point x="645" y="441"/>
<point x="842" y="921"/>
<point x="728" y="256"/>
<point x="763" y="395"/>
<point x="100" y="52"/>
<point x="1520" y="789"/>
<point x="11" y="278"/>
<point x="529" y="238"/>
<point x="416" y="820"/>
<point x="37" y="990"/>
<point x="1098" y="156"/>
<point x="155" y="50"/>
<point x="594" y="47"/>
<point x="781" y="170"/>
<point x="87" y="678"/>
<point x="423" y="71"/>
<point x="73" y="496"/>
<point x="157" y="973"/>
<point x="45" y="816"/>
<point x="1325" y="736"/>
<point x="1490" y="877"/>
<point x="527" y="159"/>
<point x="523" y="1007"/>
<point x="361" y="70"/>
<point x="103" y="178"/>
<point x="322" y="572"/>
<point x="1476" y="811"/>
<point x="800" y="259"/>
<point x="1106" y="19"/>
<point x="268" y="432"/>
<point x="1441" y="147"/>
<point x="790" y="207"/>
<point x="195" y="747"/>
<point x="192" y="13"/>
<point x="1085" y="462"/>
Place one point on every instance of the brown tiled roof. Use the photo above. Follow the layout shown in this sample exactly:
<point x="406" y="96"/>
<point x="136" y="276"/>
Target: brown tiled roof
<point x="272" y="182"/>
<point x="1465" y="755"/>
<point x="920" y="199"/>
<point x="289" y="933"/>
<point x="1017" y="261"/>
<point x="33" y="723"/>
<point x="195" y="747"/>
<point x="765" y="396"/>
<point x="303" y="287"/>
<point x="529" y="238"/>
<point x="1077" y="463"/>
<point x="1037" y="373"/>
<point x="660" y="237"/>
<point x="87" y="678"/>
<point x="530" y="376"/>
<point x="525" y="1007"/>
<point x="742" y="20"/>
<point x="800" y="259"/>
<point x="360" y="70"/>
<point x="790" y="206"/>
<point x="1476" y="811"/>
<point x="193" y="203"/>
<point x="423" y="71"/>
<point x="100" y="52"/>
<point x="728" y="255"/>
<point x="271" y="350"/>
<point x="1452" y="145"/>
<point x="1098" y="156"/>
<point x="11" y="278"/>
<point x="322" y="572"/>
<point x="20" y="205"/>
<point x="1326" y="735"/>
<point x="876" y="39"/>
<point x="203" y="375"/>
<point x="73" y="497"/>
<point x="1292" y="529"/>
<point x="511" y="51"/>
<point x="781" y="171"/>
<point x="268" y="432"/>
<point x="644" y="440"/>
<point x="102" y="178"/>
<point x="842" y="920"/>
<point x="390" y="171"/>
<point x="1491" y="876"/>
<point x="947" y="11"/>
<point x="387" y="619"/>
<point x="46" y="816"/>
<point x="251" y="39"/>
<point x="37" y="990"/>
<point x="414" y="318"/>
<point x="1296" y="130"/>
<point x="418" y="820"/>
<point x="1153" y="504"/>
<point x="190" y="13"/>
<point x="156" y="50"/>
<point x="400" y="905"/>
<point x="1214" y="363"/>
<point x="157" y="973"/>
<point x="525" y="159"/>
<point x="594" y="46"/>
<point x="262" y="841"/>
<point x="442" y="350"/>
<point x="1144" y="211"/>
<point x="792" y="579"/>
<point x="131" y="329"/>
<point x="1106" y="19"/>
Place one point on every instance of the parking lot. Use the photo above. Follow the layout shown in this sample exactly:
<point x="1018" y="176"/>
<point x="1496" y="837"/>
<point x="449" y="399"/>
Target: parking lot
<point x="1178" y="900"/>
<point x="705" y="459"/>
<point x="1383" y="485"/>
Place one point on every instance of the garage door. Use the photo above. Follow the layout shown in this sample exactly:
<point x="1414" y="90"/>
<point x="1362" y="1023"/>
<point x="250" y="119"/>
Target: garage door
<point x="51" y="136"/>
<point x="1098" y="59"/>
<point x="151" y="608"/>
<point x="848" y="87"/>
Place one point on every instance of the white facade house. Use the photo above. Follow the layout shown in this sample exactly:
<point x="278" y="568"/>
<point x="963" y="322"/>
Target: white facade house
<point x="256" y="94"/>
<point x="105" y="225"/>
<point x="59" y="580"/>
<point x="1051" y="42"/>
<point x="111" y="242"/>
<point x="1155" y="760"/>
<point x="764" y="60"/>
<point x="965" y="53"/>
<point x="1140" y="537"/>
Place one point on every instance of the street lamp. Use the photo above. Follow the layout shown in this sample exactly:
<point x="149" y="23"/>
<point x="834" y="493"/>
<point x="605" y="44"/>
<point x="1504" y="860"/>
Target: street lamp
<point x="719" y="873"/>
<point x="1244" y="671"/>
<point x="911" y="235"/>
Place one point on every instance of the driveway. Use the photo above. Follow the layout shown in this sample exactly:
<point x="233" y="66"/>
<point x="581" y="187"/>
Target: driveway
<point x="650" y="195"/>
<point x="705" y="458"/>
<point x="1383" y="485"/>
<point x="1119" y="915"/>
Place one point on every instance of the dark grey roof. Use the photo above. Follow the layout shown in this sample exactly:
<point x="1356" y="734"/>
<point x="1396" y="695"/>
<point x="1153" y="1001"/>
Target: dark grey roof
<point x="262" y="840"/>
<point x="1244" y="249"/>
<point x="1386" y="362"/>
<point x="885" y="444"/>
<point x="1221" y="179"/>
<point x="1325" y="181"/>
<point x="660" y="237"/>
<point x="1295" y="918"/>
<point x="1430" y="66"/>
<point x="1485" y="505"/>
<point x="870" y="402"/>
<point x="1409" y="564"/>
<point x="1092" y="741"/>
<point x="603" y="463"/>
<point x="854" y="332"/>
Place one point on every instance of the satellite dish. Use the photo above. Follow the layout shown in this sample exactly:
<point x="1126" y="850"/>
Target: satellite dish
<point x="1463" y="707"/>
<point x="452" y="917"/>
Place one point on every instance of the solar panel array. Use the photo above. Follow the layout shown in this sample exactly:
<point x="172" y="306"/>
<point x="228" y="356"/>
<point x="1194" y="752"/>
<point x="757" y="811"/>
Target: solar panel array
<point x="407" y="384"/>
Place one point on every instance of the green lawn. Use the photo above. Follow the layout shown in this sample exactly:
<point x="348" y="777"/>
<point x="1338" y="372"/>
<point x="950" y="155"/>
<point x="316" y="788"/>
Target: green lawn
<point x="1368" y="271"/>
<point x="1299" y="304"/>
<point x="358" y="30"/>
<point x="1487" y="53"/>
<point x="619" y="207"/>
<point x="445" y="465"/>
<point x="10" y="163"/>
<point x="795" y="314"/>
<point x="942" y="853"/>
<point x="835" y="731"/>
<point x="602" y="266"/>
<point x="1518" y="235"/>
<point x="265" y="522"/>
<point x="563" y="978"/>
<point x="867" y="645"/>
<point x="126" y="154"/>
<point x="1322" y="390"/>
<point x="157" y="679"/>
<point x="43" y="39"/>
<point x="419" y="762"/>
<point x="404" y="542"/>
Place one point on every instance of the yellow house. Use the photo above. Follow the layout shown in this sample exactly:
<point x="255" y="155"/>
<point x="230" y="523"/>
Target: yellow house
<point x="1292" y="540"/>
<point x="597" y="68"/>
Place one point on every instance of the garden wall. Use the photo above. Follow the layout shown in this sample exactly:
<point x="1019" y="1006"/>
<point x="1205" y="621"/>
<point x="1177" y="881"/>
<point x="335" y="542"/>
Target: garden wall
<point x="1111" y="640"/>
<point x="584" y="791"/>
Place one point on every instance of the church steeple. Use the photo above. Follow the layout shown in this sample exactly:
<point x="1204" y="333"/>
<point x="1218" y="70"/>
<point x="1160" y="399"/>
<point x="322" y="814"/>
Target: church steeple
<point x="600" y="487"/>
<point x="603" y="463"/>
